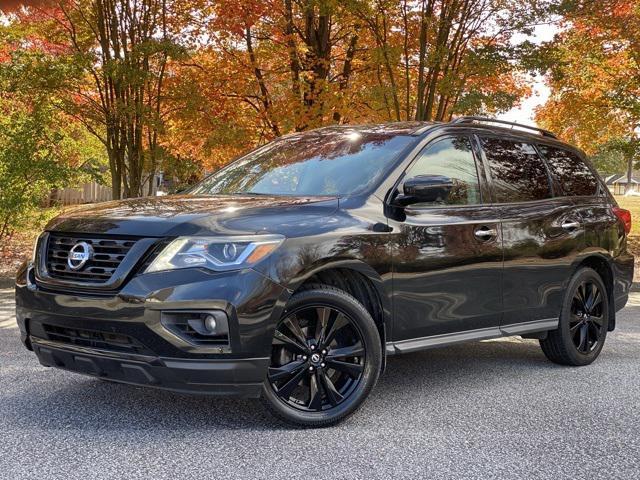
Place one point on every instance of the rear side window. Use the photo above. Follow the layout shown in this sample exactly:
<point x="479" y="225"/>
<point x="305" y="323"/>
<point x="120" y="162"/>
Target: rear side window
<point x="518" y="172"/>
<point x="570" y="171"/>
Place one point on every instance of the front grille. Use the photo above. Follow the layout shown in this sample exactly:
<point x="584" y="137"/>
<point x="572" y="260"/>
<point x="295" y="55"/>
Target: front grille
<point x="108" y="253"/>
<point x="95" y="339"/>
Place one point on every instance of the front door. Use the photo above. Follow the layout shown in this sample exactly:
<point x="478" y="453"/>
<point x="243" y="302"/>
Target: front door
<point x="447" y="254"/>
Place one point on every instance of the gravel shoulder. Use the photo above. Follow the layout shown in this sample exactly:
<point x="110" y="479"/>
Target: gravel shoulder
<point x="493" y="409"/>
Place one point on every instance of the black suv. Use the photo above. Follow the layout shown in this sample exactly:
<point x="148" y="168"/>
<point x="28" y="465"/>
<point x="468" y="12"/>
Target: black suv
<point x="292" y="273"/>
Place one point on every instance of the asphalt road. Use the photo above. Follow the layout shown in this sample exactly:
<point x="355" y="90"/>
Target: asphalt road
<point x="494" y="409"/>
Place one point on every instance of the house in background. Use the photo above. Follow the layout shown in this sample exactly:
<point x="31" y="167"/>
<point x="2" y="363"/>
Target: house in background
<point x="618" y="183"/>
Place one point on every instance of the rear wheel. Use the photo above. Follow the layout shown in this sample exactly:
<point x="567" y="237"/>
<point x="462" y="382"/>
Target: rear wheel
<point x="326" y="357"/>
<point x="583" y="322"/>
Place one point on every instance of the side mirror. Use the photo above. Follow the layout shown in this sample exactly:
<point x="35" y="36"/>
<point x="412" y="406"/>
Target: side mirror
<point x="425" y="188"/>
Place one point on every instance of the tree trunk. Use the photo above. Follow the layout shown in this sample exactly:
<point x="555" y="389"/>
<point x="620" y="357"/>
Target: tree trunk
<point x="294" y="60"/>
<point x="425" y="19"/>
<point x="346" y="72"/>
<point x="264" y="92"/>
<point x="405" y="52"/>
<point x="629" y="186"/>
<point x="317" y="62"/>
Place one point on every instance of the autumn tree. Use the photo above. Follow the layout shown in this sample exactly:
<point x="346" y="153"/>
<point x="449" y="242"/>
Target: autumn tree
<point x="441" y="57"/>
<point x="268" y="68"/>
<point x="41" y="147"/>
<point x="202" y="81"/>
<point x="121" y="49"/>
<point x="594" y="77"/>
<point x="290" y="58"/>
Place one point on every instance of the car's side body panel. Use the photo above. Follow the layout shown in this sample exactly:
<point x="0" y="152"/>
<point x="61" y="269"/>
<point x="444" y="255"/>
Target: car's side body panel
<point x="445" y="278"/>
<point x="541" y="242"/>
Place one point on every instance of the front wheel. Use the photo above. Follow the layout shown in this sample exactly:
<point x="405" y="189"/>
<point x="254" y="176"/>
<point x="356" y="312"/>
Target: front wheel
<point x="326" y="357"/>
<point x="583" y="322"/>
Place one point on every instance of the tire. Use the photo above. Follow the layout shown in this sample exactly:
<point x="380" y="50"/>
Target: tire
<point x="584" y="320"/>
<point x="328" y="347"/>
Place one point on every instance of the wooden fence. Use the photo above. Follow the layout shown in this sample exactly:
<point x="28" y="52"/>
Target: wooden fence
<point x="94" y="192"/>
<point x="87" y="193"/>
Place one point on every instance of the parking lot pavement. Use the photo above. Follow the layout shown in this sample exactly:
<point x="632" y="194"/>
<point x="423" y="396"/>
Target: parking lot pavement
<point x="494" y="409"/>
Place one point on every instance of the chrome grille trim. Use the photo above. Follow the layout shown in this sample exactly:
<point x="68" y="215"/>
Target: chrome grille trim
<point x="108" y="255"/>
<point x="115" y="259"/>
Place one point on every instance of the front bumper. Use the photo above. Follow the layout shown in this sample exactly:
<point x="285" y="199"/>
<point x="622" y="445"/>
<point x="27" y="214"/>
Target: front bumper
<point x="233" y="377"/>
<point x="120" y="336"/>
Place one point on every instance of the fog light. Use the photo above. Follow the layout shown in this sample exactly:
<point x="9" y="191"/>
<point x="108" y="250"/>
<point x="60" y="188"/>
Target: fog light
<point x="210" y="323"/>
<point x="198" y="327"/>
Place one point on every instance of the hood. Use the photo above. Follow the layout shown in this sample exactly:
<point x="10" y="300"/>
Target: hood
<point x="196" y="215"/>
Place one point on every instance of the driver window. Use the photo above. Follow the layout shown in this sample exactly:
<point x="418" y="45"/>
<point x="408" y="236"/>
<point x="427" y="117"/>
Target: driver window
<point x="451" y="157"/>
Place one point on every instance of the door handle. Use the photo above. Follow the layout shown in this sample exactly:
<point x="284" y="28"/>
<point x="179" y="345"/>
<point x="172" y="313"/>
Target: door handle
<point x="570" y="225"/>
<point x="485" y="233"/>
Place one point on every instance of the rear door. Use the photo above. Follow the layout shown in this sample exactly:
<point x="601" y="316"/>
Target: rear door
<point x="576" y="180"/>
<point x="541" y="232"/>
<point x="447" y="254"/>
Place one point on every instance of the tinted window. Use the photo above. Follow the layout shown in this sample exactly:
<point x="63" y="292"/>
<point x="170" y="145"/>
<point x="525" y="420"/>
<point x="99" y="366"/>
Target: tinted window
<point x="518" y="173"/>
<point x="324" y="162"/>
<point x="570" y="171"/>
<point x="453" y="158"/>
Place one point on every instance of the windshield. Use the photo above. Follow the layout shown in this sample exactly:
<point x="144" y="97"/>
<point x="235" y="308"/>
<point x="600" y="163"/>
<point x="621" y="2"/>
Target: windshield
<point x="325" y="162"/>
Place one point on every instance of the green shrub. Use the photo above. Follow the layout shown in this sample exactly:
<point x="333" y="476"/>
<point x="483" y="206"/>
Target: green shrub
<point x="38" y="152"/>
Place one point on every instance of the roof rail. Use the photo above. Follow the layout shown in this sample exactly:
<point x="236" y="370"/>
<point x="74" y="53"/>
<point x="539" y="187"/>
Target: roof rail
<point x="474" y="119"/>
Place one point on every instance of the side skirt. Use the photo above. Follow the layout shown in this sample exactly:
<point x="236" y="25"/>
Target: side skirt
<point x="415" y="344"/>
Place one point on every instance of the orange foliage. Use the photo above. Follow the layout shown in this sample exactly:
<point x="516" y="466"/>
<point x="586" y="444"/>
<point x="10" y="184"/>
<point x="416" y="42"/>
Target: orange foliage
<point x="251" y="71"/>
<point x="595" y="82"/>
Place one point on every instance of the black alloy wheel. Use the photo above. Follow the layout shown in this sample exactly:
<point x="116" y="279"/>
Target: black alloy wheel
<point x="583" y="323"/>
<point x="319" y="358"/>
<point x="586" y="325"/>
<point x="325" y="358"/>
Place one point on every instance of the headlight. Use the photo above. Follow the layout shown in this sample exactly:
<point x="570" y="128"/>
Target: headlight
<point x="215" y="253"/>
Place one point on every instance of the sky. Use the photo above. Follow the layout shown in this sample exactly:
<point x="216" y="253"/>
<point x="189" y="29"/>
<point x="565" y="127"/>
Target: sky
<point x="524" y="113"/>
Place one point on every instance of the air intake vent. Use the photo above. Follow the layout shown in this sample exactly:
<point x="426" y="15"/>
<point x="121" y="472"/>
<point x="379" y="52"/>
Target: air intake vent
<point x="96" y="339"/>
<point x="105" y="257"/>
